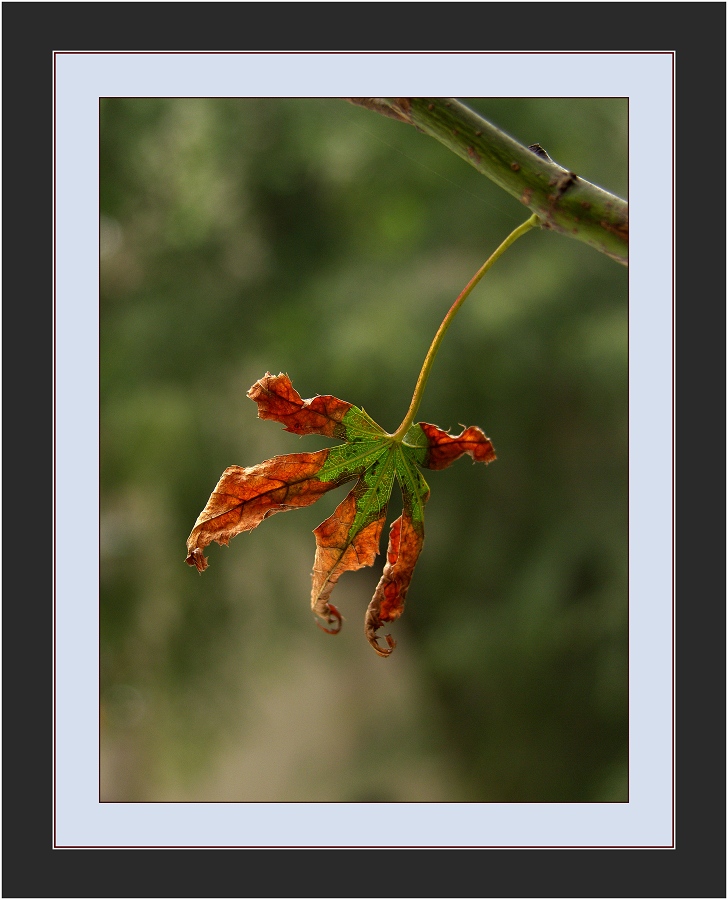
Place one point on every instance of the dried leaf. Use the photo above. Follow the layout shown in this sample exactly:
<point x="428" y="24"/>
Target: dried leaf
<point x="349" y="538"/>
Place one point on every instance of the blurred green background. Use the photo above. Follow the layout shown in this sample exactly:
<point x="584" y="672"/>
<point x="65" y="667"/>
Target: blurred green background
<point x="312" y="237"/>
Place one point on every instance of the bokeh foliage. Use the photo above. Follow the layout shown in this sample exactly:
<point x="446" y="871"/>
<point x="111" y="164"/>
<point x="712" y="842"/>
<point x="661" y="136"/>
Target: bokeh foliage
<point x="308" y="236"/>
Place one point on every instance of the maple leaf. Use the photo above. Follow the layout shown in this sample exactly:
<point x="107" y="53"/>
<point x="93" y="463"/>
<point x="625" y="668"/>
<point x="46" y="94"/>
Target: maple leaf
<point x="349" y="538"/>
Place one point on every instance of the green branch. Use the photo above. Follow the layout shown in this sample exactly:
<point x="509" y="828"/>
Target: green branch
<point x="563" y="201"/>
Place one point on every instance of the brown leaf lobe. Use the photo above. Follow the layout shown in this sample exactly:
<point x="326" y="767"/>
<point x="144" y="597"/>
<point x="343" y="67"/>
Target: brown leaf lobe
<point x="445" y="448"/>
<point x="387" y="604"/>
<point x="338" y="551"/>
<point x="244" y="497"/>
<point x="277" y="399"/>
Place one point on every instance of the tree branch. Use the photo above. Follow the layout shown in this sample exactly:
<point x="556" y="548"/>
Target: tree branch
<point x="563" y="201"/>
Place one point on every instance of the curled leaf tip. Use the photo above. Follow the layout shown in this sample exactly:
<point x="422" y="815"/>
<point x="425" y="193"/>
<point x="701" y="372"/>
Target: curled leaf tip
<point x="197" y="558"/>
<point x="370" y="629"/>
<point x="332" y="617"/>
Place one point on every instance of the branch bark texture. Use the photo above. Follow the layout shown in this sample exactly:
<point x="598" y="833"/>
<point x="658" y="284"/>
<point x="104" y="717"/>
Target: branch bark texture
<point x="563" y="201"/>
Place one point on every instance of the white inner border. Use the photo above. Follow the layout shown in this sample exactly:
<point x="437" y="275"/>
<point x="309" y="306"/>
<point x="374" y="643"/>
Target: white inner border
<point x="646" y="78"/>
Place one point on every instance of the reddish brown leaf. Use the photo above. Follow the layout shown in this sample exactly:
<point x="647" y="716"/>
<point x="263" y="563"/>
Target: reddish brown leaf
<point x="349" y="538"/>
<point x="244" y="497"/>
<point x="405" y="544"/>
<point x="277" y="399"/>
<point x="445" y="448"/>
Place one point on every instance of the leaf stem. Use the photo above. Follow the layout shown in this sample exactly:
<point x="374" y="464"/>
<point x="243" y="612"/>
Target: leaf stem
<point x="399" y="434"/>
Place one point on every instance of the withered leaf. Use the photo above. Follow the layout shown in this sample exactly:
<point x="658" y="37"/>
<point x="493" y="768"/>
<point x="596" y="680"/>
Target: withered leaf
<point x="349" y="538"/>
